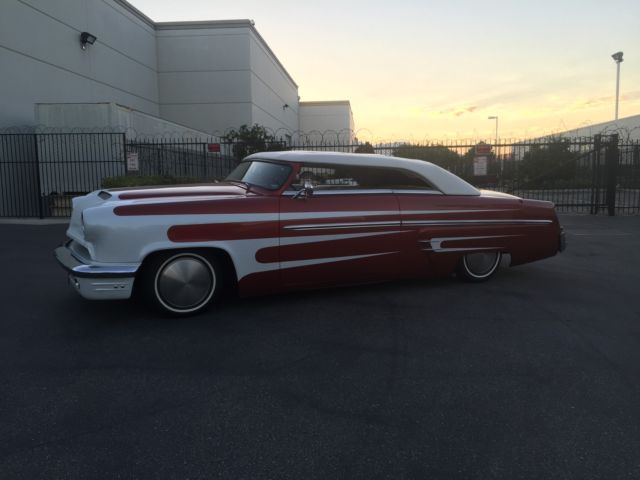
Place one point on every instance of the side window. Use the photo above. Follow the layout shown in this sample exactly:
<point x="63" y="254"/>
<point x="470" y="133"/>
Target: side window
<point x="325" y="177"/>
<point x="355" y="177"/>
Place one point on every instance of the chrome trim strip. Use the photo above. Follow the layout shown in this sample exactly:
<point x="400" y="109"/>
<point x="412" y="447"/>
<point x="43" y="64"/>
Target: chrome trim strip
<point x="335" y="214"/>
<point x="409" y="191"/>
<point x="327" y="226"/>
<point x="327" y="214"/>
<point x="436" y="243"/>
<point x="327" y="238"/>
<point x="72" y="265"/>
<point x="433" y="212"/>
<point x="316" y="191"/>
<point x="115" y="271"/>
<point x="460" y="249"/>
<point x="474" y="222"/>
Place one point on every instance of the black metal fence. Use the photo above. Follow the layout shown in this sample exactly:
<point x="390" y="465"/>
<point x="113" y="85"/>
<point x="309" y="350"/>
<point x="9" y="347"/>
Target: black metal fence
<point x="40" y="172"/>
<point x="580" y="175"/>
<point x="185" y="158"/>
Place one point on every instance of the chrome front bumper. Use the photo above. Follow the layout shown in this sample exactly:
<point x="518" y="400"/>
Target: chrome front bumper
<point x="96" y="282"/>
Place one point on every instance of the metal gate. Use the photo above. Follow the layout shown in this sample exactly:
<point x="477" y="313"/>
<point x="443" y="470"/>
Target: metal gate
<point x="41" y="172"/>
<point x="19" y="176"/>
<point x="605" y="178"/>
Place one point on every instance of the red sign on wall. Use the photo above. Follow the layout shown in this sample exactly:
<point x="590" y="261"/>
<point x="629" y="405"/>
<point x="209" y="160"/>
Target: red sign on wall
<point x="213" y="147"/>
<point x="483" y="149"/>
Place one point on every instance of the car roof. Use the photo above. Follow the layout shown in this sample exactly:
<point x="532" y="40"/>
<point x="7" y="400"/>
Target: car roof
<point x="442" y="179"/>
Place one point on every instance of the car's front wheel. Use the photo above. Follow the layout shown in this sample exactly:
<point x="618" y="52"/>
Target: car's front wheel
<point x="181" y="283"/>
<point x="479" y="266"/>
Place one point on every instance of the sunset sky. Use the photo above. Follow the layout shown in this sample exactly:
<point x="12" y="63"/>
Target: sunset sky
<point x="427" y="70"/>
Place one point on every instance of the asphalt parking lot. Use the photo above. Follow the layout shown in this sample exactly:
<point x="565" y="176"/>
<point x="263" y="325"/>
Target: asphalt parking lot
<point x="532" y="375"/>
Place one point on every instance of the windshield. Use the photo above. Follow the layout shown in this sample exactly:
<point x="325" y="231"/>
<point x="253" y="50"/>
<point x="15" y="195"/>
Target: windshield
<point x="262" y="174"/>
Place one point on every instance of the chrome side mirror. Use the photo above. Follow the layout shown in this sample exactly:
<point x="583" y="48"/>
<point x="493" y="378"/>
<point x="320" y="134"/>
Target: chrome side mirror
<point x="306" y="191"/>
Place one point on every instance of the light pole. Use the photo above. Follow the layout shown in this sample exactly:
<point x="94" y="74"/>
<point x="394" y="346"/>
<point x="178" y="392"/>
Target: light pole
<point x="617" y="57"/>
<point x="494" y="117"/>
<point x="495" y="146"/>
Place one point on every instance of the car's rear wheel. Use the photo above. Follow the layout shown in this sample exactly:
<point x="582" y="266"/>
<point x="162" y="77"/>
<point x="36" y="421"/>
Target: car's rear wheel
<point x="479" y="266"/>
<point x="181" y="283"/>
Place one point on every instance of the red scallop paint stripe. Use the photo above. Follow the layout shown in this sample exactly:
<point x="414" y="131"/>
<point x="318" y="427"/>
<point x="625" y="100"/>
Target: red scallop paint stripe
<point x="200" y="207"/>
<point x="222" y="231"/>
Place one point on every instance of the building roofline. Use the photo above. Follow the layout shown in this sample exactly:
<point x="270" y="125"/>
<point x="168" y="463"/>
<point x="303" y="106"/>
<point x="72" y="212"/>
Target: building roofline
<point x="239" y="23"/>
<point x="127" y="6"/>
<point x="326" y="103"/>
<point x="275" y="57"/>
<point x="198" y="24"/>
<point x="606" y="123"/>
<point x="609" y="126"/>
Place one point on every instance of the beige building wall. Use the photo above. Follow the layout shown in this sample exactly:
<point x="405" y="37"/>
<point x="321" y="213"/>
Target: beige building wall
<point x="333" y="118"/>
<point x="41" y="59"/>
<point x="210" y="76"/>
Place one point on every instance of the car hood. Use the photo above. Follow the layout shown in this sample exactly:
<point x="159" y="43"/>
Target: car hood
<point x="111" y="200"/>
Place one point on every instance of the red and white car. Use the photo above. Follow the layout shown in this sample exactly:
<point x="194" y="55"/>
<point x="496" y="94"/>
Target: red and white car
<point x="291" y="220"/>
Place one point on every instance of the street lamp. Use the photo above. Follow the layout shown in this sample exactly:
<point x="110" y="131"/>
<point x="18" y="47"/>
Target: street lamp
<point x="495" y="117"/>
<point x="617" y="57"/>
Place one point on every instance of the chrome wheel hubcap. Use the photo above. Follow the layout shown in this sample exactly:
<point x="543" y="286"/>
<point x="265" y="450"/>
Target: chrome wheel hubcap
<point x="481" y="264"/>
<point x="185" y="282"/>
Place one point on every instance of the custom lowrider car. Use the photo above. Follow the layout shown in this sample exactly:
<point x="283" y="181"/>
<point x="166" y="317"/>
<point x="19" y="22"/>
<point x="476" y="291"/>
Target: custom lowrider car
<point x="291" y="220"/>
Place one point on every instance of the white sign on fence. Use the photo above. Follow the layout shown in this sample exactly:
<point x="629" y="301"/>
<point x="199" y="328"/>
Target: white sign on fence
<point x="479" y="166"/>
<point x="133" y="162"/>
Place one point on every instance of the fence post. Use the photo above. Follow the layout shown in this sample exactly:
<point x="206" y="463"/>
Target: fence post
<point x="124" y="154"/>
<point x="595" y="167"/>
<point x="611" y="159"/>
<point x="40" y="199"/>
<point x="204" y="161"/>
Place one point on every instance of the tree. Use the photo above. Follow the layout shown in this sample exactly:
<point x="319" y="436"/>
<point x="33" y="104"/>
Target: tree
<point x="365" y="148"/>
<point x="437" y="154"/>
<point x="247" y="140"/>
<point x="547" y="163"/>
